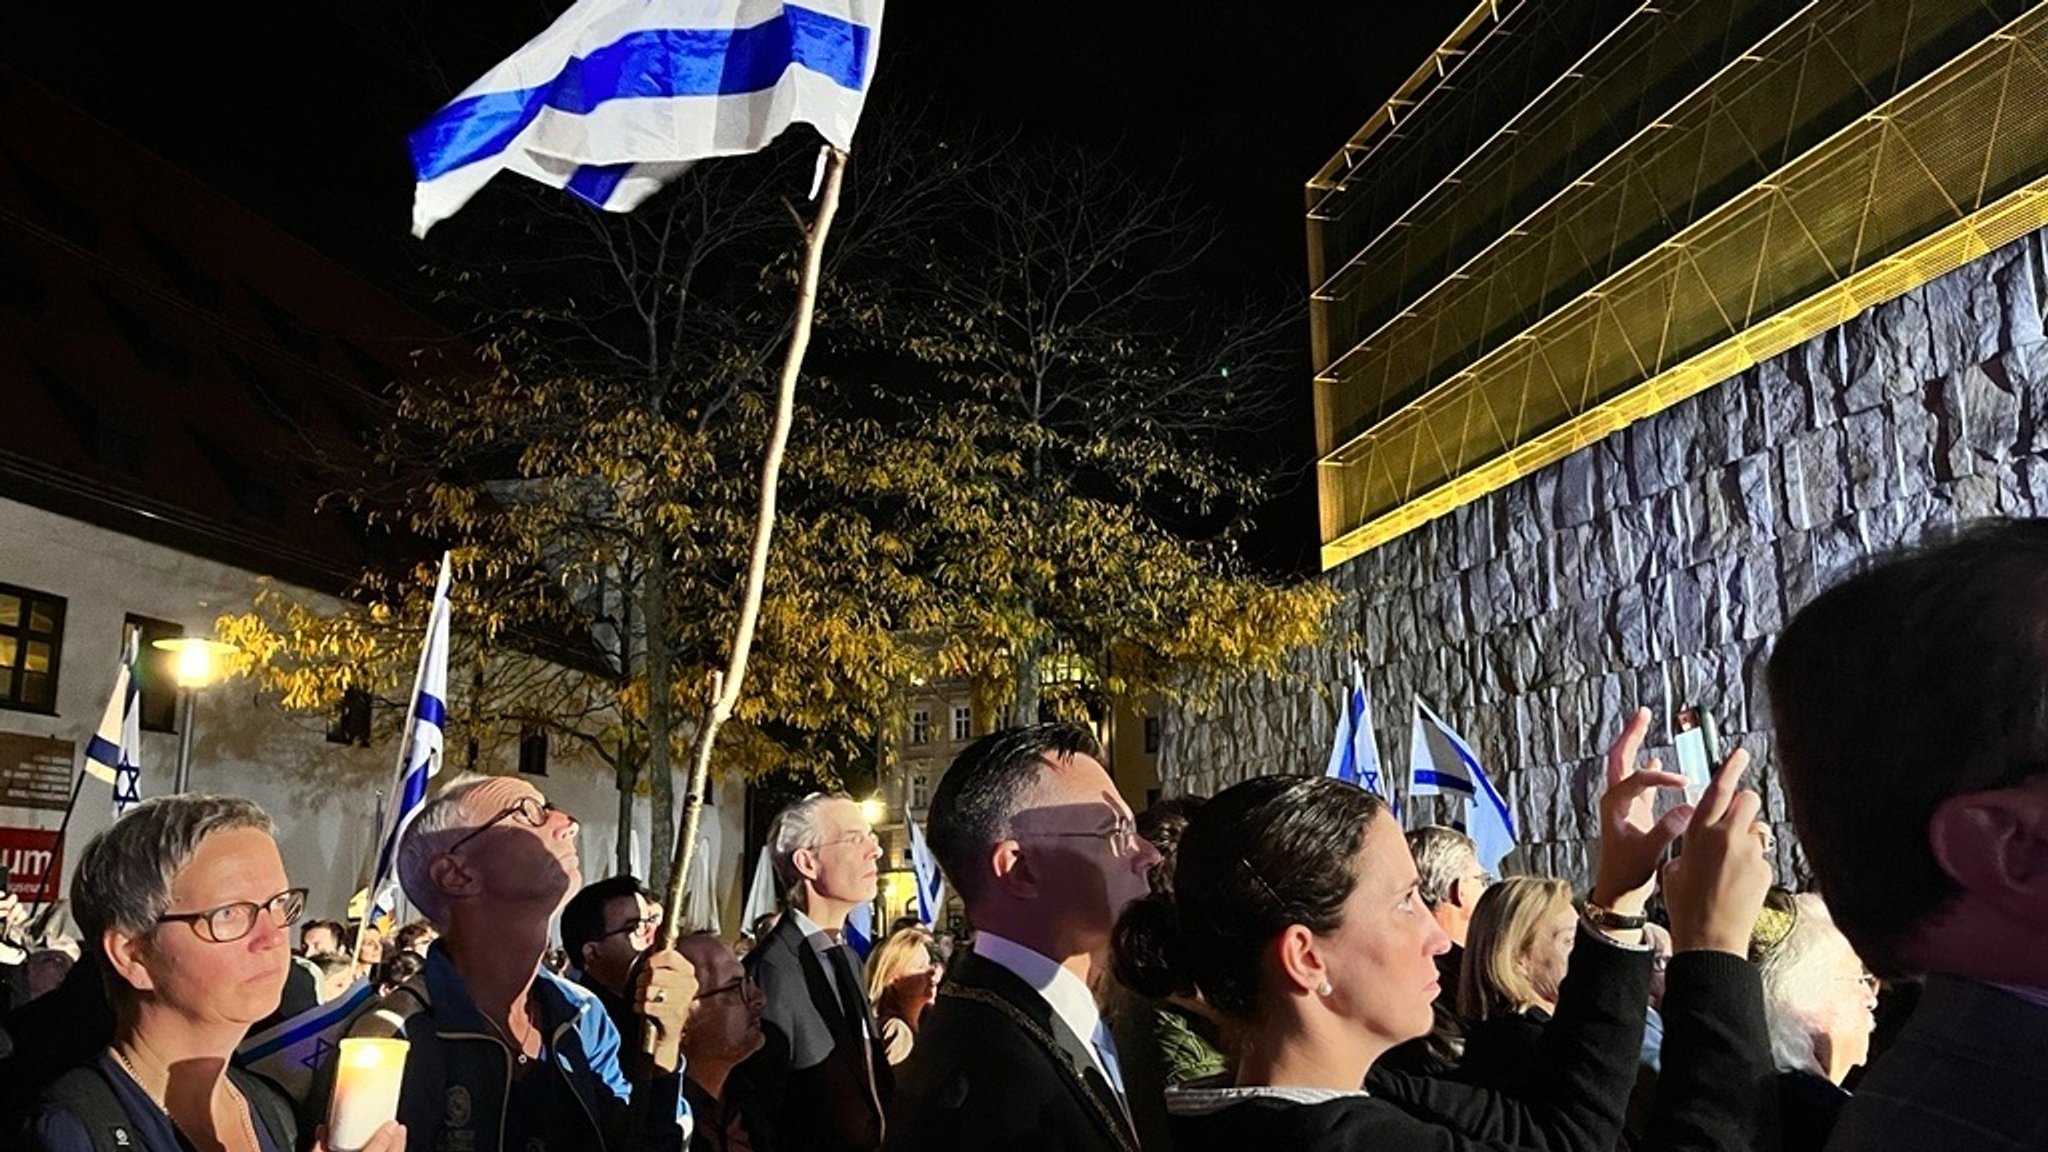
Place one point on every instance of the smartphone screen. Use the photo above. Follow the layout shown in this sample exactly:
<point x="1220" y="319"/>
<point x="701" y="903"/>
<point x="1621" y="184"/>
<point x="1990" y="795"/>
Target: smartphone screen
<point x="1699" y="749"/>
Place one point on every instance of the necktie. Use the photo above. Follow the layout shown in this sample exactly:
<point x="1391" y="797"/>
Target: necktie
<point x="1105" y="1054"/>
<point x="853" y="1001"/>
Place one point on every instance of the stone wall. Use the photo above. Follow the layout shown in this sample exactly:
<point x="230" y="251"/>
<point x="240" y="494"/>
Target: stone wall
<point x="1656" y="566"/>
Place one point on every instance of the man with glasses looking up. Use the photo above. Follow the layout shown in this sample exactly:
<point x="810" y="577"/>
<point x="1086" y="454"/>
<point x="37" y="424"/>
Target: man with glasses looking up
<point x="1031" y="832"/>
<point x="505" y="1054"/>
<point x="820" y="1072"/>
<point x="606" y="929"/>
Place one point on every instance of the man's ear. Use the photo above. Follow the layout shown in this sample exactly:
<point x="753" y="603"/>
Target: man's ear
<point x="126" y="955"/>
<point x="1012" y="870"/>
<point x="1994" y="845"/>
<point x="805" y="861"/>
<point x="449" y="875"/>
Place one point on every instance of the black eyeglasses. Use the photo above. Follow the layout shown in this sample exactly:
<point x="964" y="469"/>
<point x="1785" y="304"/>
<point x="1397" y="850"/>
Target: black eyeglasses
<point x="651" y="920"/>
<point x="531" y="811"/>
<point x="1122" y="837"/>
<point x="743" y="982"/>
<point x="231" y="922"/>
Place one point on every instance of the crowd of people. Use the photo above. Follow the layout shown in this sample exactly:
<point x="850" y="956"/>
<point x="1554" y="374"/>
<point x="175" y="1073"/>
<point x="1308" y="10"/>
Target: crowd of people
<point x="1278" y="964"/>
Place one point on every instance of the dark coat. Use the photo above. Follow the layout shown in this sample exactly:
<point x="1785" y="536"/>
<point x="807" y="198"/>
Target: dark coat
<point x="1717" y="1077"/>
<point x="810" y="1075"/>
<point x="1970" y="1070"/>
<point x="996" y="1070"/>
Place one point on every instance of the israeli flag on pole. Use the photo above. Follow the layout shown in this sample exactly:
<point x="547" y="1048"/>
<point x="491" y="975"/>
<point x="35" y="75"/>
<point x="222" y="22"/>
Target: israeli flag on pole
<point x="1354" y="754"/>
<point x="931" y="884"/>
<point x="617" y="97"/>
<point x="860" y="929"/>
<point x="420" y="754"/>
<point x="114" y="754"/>
<point x="1441" y="764"/>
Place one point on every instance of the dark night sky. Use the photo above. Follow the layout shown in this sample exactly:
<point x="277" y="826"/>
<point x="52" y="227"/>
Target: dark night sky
<point x="300" y="111"/>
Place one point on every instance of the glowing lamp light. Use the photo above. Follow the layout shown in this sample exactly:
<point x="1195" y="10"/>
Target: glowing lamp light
<point x="367" y="1076"/>
<point x="873" y="810"/>
<point x="198" y="661"/>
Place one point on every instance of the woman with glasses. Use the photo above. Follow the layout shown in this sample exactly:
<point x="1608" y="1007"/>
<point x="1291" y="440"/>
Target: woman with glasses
<point x="1821" y="1004"/>
<point x="185" y="900"/>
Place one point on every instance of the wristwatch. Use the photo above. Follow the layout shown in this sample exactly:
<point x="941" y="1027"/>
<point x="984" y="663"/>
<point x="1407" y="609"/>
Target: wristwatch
<point x="1608" y="920"/>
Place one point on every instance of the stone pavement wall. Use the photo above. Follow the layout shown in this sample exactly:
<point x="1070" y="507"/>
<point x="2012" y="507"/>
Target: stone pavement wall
<point x="1656" y="566"/>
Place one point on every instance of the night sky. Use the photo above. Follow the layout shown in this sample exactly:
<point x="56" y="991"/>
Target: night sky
<point x="300" y="111"/>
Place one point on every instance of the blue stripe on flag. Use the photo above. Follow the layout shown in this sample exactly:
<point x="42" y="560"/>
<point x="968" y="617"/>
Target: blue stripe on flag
<point x="312" y="1024"/>
<point x="1441" y="780"/>
<point x="430" y="710"/>
<point x="100" y="750"/>
<point x="595" y="183"/>
<point x="657" y="63"/>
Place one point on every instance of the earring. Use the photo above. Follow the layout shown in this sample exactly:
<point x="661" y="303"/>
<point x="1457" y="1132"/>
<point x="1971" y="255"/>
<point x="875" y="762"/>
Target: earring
<point x="1324" y="989"/>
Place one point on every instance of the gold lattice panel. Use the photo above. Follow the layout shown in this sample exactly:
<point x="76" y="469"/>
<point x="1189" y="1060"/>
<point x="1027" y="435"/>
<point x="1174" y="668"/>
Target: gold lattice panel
<point x="1800" y="199"/>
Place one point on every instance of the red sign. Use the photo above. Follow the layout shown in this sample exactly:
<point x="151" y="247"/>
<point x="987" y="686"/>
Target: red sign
<point x="27" y="853"/>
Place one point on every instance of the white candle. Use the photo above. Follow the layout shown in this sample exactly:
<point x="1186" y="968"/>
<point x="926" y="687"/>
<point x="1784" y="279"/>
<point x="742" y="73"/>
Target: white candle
<point x="366" y="1081"/>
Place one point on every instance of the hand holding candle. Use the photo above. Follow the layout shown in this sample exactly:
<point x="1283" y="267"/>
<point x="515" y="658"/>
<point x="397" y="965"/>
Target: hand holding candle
<point x="366" y="1081"/>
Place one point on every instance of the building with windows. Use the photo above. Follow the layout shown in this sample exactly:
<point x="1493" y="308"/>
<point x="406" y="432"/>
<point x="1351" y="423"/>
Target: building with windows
<point x="1634" y="324"/>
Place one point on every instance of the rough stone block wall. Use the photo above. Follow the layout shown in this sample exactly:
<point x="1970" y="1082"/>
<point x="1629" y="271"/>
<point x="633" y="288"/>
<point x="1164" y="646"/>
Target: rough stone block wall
<point x="1657" y="566"/>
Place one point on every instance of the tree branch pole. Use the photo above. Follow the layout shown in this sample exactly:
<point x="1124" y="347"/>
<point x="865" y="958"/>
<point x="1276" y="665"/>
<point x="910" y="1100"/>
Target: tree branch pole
<point x="725" y="686"/>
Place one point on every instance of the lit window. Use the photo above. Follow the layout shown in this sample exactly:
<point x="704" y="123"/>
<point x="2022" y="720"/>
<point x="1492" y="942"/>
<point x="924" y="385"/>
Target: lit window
<point x="31" y="647"/>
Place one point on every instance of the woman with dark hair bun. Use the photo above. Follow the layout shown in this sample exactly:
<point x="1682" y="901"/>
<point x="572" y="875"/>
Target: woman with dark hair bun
<point x="1293" y="912"/>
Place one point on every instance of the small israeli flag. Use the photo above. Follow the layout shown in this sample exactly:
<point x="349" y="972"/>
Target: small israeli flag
<point x="931" y="884"/>
<point x="1354" y="754"/>
<point x="1442" y="763"/>
<point x="617" y="97"/>
<point x="114" y="754"/>
<point x="420" y="757"/>
<point x="289" y="1052"/>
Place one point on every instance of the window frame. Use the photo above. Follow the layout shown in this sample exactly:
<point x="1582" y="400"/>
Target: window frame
<point x="11" y="698"/>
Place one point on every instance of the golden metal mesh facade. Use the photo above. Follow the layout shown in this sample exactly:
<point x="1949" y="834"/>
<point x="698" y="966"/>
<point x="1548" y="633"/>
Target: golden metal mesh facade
<point x="1704" y="185"/>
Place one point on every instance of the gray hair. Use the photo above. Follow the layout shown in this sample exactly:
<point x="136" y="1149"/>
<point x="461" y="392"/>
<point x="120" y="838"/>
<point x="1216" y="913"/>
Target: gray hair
<point x="422" y="841"/>
<point x="1441" y="856"/>
<point x="1796" y="976"/>
<point x="796" y="828"/>
<point x="124" y="876"/>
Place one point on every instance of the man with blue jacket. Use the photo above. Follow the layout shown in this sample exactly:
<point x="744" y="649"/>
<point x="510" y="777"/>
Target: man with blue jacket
<point x="505" y="1055"/>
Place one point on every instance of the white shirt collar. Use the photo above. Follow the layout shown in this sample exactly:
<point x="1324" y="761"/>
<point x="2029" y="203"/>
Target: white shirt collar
<point x="1203" y="1101"/>
<point x="1067" y="993"/>
<point x="817" y="936"/>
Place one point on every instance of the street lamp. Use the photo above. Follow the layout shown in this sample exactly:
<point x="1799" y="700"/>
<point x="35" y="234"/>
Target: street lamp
<point x="198" y="665"/>
<point x="874" y="810"/>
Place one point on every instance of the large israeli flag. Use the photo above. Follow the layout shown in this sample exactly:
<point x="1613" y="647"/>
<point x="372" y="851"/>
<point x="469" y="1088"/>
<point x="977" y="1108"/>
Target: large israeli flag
<point x="420" y="756"/>
<point x="1354" y="753"/>
<point x="931" y="884"/>
<point x="114" y="754"/>
<point x="617" y="97"/>
<point x="1441" y="763"/>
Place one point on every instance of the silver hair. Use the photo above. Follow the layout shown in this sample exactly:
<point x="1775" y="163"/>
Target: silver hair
<point x="795" y="828"/>
<point x="1796" y="977"/>
<point x="124" y="876"/>
<point x="1441" y="856"/>
<point x="422" y="843"/>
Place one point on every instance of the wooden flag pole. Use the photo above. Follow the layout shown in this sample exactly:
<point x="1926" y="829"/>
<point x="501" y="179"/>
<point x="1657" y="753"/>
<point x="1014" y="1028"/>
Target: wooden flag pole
<point x="725" y="686"/>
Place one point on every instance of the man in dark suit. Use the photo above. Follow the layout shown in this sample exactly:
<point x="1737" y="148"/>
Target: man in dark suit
<point x="1029" y="829"/>
<point x="1911" y="711"/>
<point x="819" y="1073"/>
